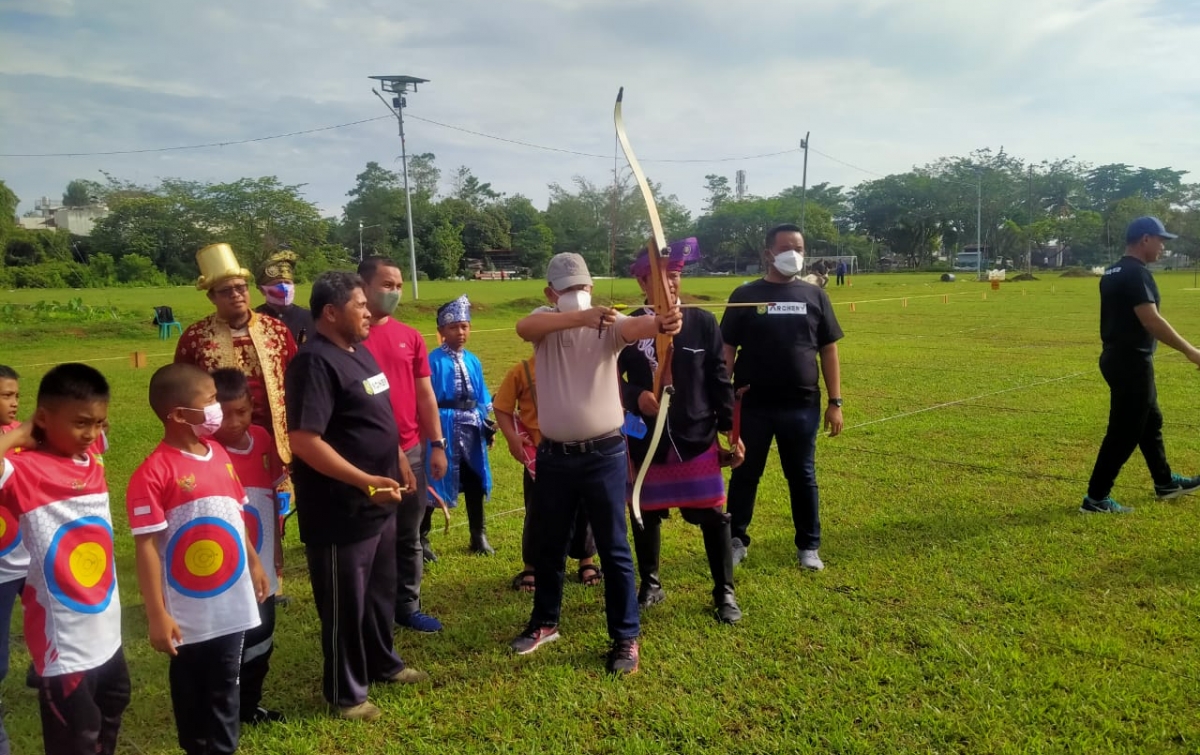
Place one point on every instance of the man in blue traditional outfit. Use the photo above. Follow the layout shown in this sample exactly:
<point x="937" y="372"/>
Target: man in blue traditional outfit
<point x="685" y="472"/>
<point x="463" y="406"/>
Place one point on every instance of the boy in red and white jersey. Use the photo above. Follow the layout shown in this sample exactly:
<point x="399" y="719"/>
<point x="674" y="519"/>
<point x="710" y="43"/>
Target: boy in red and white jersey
<point x="200" y="582"/>
<point x="257" y="464"/>
<point x="10" y="398"/>
<point x="56" y="492"/>
<point x="14" y="558"/>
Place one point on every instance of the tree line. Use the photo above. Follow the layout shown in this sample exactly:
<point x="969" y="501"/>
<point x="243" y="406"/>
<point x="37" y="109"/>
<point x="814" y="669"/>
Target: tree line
<point x="151" y="233"/>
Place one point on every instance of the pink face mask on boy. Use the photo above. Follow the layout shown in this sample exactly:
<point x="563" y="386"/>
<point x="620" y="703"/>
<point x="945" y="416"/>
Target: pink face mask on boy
<point x="213" y="417"/>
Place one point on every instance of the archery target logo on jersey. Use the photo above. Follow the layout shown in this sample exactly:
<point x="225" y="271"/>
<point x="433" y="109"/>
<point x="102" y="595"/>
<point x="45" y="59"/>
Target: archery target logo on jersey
<point x="10" y="532"/>
<point x="254" y="526"/>
<point x="205" y="557"/>
<point x="79" y="565"/>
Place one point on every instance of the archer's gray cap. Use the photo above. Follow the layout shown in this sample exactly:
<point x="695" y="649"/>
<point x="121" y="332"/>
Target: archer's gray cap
<point x="566" y="270"/>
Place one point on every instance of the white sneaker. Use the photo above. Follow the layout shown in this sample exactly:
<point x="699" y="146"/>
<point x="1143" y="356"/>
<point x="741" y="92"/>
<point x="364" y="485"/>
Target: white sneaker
<point x="739" y="551"/>
<point x="810" y="560"/>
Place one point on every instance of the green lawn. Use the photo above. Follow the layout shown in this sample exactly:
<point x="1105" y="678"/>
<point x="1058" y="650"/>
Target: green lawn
<point x="966" y="606"/>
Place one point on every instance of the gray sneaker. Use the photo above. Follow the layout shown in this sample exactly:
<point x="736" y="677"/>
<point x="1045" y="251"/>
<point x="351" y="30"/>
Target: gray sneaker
<point x="533" y="638"/>
<point x="739" y="551"/>
<point x="364" y="711"/>
<point x="810" y="560"/>
<point x="408" y="675"/>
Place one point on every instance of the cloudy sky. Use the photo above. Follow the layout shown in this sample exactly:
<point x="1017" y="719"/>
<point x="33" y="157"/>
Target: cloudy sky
<point x="882" y="85"/>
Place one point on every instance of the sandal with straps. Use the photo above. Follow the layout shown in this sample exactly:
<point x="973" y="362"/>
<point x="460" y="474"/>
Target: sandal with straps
<point x="590" y="575"/>
<point x="524" y="582"/>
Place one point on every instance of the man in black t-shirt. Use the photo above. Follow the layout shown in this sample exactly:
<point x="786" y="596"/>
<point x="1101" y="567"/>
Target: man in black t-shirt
<point x="1130" y="327"/>
<point x="349" y="477"/>
<point x="772" y="351"/>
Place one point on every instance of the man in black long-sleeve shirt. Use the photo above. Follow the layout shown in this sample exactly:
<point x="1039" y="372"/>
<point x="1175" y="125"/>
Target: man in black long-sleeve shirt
<point x="1131" y="327"/>
<point x="685" y="472"/>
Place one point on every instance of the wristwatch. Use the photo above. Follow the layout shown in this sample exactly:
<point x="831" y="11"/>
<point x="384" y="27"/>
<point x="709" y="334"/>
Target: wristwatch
<point x="835" y="402"/>
<point x="439" y="443"/>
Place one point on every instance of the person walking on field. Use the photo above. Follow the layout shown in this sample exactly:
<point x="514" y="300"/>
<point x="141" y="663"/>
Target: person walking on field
<point x="1130" y="328"/>
<point x="841" y="272"/>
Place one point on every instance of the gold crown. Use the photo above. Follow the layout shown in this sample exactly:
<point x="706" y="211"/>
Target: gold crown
<point x="279" y="266"/>
<point x="217" y="263"/>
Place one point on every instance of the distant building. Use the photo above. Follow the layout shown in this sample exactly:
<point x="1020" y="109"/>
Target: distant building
<point x="49" y="214"/>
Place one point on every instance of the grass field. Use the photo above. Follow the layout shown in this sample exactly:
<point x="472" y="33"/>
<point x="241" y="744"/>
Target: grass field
<point x="966" y="605"/>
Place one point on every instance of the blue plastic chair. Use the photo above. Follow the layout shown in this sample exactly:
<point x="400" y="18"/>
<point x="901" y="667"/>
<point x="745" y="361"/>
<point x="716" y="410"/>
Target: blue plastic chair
<point x="164" y="318"/>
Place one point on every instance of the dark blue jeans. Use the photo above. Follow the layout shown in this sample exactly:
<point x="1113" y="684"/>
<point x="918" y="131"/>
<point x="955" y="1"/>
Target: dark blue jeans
<point x="795" y="431"/>
<point x="595" y="481"/>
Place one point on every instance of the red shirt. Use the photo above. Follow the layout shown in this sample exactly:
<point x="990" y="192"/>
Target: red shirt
<point x="72" y="609"/>
<point x="193" y="505"/>
<point x="401" y="354"/>
<point x="14" y="557"/>
<point x="261" y="472"/>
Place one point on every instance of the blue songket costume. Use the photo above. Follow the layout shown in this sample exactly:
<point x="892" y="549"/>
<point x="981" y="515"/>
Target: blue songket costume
<point x="464" y="404"/>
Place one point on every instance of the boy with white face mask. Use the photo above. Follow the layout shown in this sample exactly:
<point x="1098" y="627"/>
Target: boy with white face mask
<point x="772" y="352"/>
<point x="581" y="460"/>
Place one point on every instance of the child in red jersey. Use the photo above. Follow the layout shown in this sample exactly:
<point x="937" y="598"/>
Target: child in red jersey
<point x="200" y="581"/>
<point x="14" y="558"/>
<point x="56" y="492"/>
<point x="10" y="398"/>
<point x="257" y="464"/>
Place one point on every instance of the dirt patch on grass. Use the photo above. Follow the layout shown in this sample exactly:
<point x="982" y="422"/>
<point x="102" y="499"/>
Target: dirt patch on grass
<point x="1023" y="277"/>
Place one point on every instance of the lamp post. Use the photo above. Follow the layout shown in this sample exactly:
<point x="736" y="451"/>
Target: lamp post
<point x="804" y="180"/>
<point x="398" y="86"/>
<point x="361" y="228"/>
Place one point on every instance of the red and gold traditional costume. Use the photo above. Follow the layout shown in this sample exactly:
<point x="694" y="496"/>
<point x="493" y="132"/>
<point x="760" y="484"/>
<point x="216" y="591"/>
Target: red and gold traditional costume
<point x="262" y="349"/>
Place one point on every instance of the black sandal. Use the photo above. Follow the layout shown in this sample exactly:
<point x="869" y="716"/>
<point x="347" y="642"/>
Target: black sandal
<point x="524" y="582"/>
<point x="590" y="575"/>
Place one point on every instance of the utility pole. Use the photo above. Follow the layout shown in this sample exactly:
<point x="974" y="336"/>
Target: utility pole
<point x="399" y="86"/>
<point x="979" y="222"/>
<point x="360" y="229"/>
<point x="1029" y="225"/>
<point x="804" y="180"/>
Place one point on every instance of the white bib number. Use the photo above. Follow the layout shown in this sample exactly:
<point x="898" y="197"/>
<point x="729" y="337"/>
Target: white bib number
<point x="376" y="385"/>
<point x="788" y="308"/>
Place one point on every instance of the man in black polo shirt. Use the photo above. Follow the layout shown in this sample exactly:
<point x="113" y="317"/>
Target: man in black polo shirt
<point x="1131" y="327"/>
<point x="348" y="472"/>
<point x="772" y="352"/>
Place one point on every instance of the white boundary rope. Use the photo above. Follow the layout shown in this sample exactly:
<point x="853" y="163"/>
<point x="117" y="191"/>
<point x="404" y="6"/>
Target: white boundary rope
<point x="965" y="400"/>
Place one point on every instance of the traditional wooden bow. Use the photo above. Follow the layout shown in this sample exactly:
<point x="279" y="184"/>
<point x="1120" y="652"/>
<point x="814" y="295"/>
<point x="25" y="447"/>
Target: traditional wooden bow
<point x="661" y="300"/>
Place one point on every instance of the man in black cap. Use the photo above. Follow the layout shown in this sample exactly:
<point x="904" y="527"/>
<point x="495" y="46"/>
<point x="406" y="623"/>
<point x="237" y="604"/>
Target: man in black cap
<point x="1131" y="327"/>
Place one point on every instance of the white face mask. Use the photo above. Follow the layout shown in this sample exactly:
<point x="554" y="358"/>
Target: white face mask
<point x="789" y="263"/>
<point x="574" y="301"/>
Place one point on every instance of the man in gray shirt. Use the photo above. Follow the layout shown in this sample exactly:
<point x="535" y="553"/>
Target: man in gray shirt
<point x="581" y="460"/>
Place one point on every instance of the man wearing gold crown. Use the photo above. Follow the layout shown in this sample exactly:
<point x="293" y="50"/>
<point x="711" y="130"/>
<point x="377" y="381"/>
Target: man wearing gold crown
<point x="236" y="336"/>
<point x="277" y="283"/>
